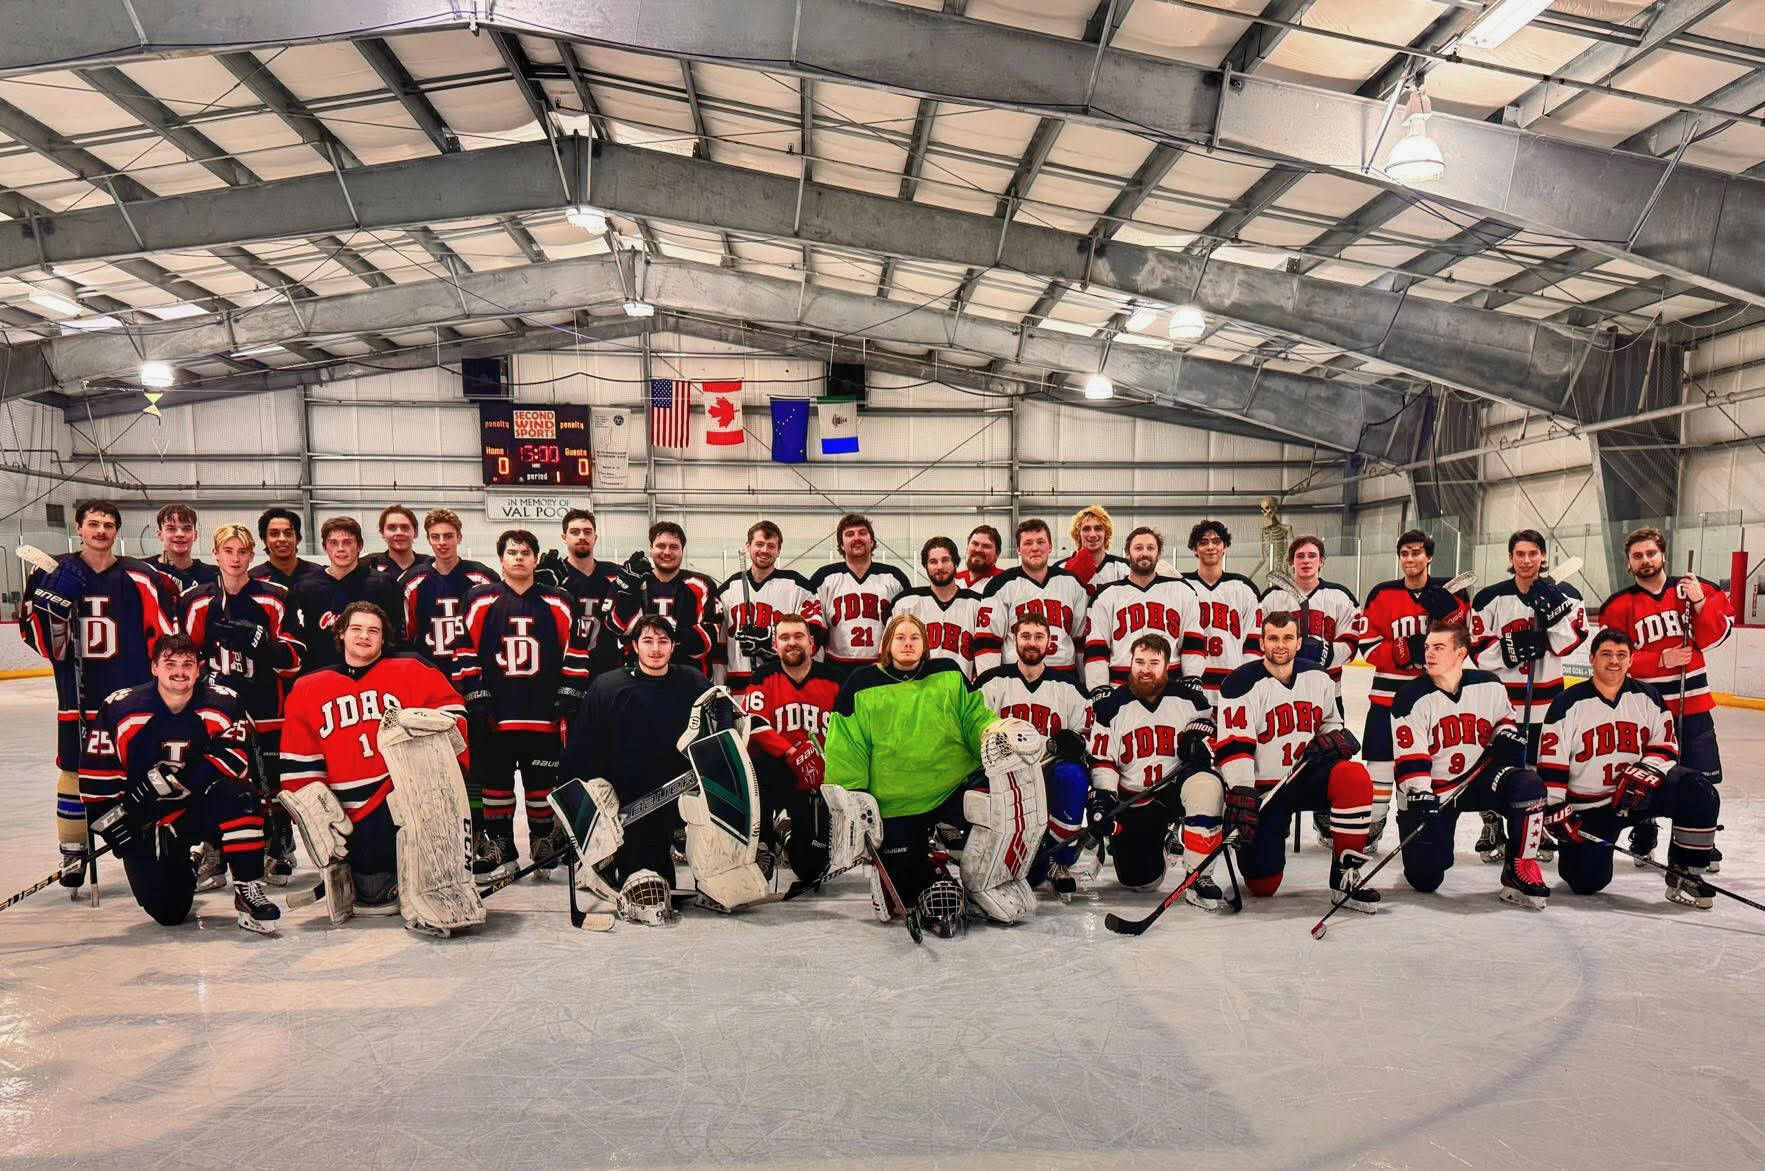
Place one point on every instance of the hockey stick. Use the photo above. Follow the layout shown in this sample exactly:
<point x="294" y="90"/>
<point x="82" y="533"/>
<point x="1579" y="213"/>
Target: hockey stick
<point x="1571" y="566"/>
<point x="893" y="897"/>
<point x="1089" y="836"/>
<point x="53" y="878"/>
<point x="1668" y="869"/>
<point x="1123" y="926"/>
<point x="1336" y="904"/>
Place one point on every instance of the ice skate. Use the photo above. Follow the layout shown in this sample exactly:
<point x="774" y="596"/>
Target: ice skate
<point x="1522" y="884"/>
<point x="1691" y="891"/>
<point x="1492" y="840"/>
<point x="1205" y="893"/>
<point x="211" y="868"/>
<point x="256" y="911"/>
<point x="490" y="861"/>
<point x="1345" y="883"/>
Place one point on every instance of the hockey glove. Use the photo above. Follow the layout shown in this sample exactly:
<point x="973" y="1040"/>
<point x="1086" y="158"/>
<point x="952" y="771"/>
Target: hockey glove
<point x="1434" y="599"/>
<point x="1067" y="745"/>
<point x="807" y="764"/>
<point x="1549" y="602"/>
<point x="1099" y="813"/>
<point x="1507" y="747"/>
<point x="144" y="802"/>
<point x="119" y="830"/>
<point x="52" y="603"/>
<point x="479" y="706"/>
<point x="1636" y="785"/>
<point x="1331" y="746"/>
<point x="1101" y="692"/>
<point x="1424" y="803"/>
<point x="1411" y="651"/>
<point x="1193" y="748"/>
<point x="240" y="637"/>
<point x="1563" y="822"/>
<point x="1316" y="650"/>
<point x="550" y="569"/>
<point x="755" y="641"/>
<point x="1243" y="812"/>
<point x="638" y="564"/>
<point x="1519" y="647"/>
<point x="569" y="701"/>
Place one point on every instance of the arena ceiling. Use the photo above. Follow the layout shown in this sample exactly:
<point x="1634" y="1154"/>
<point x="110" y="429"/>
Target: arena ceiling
<point x="1000" y="193"/>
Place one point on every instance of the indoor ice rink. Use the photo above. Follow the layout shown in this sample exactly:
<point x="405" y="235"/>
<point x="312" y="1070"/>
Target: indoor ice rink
<point x="1324" y="273"/>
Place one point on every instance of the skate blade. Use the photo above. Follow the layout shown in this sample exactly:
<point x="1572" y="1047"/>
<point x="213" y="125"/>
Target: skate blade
<point x="1360" y="905"/>
<point x="1686" y="900"/>
<point x="1521" y="899"/>
<point x="1642" y="861"/>
<point x="1499" y="854"/>
<point x="257" y="926"/>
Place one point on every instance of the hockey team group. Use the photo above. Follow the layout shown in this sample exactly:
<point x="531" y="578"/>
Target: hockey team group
<point x="967" y="741"/>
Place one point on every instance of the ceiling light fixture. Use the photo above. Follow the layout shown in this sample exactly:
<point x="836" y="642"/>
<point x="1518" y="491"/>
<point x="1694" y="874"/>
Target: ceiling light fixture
<point x="639" y="309"/>
<point x="1188" y="323"/>
<point x="1416" y="157"/>
<point x="55" y="303"/>
<point x="590" y="220"/>
<point x="1500" y="21"/>
<point x="258" y="351"/>
<point x="157" y="374"/>
<point x="1139" y="317"/>
<point x="1098" y="386"/>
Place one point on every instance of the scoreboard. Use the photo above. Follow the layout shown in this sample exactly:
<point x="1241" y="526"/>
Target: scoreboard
<point x="533" y="444"/>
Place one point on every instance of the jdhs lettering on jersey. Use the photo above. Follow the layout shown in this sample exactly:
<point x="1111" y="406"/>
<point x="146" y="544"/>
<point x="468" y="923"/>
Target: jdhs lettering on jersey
<point x="1655" y="625"/>
<point x="1265" y="724"/>
<point x="1439" y="735"/>
<point x="1054" y="702"/>
<point x="1586" y="738"/>
<point x="1124" y="611"/>
<point x="1134" y="743"/>
<point x="856" y="608"/>
<point x="1059" y="598"/>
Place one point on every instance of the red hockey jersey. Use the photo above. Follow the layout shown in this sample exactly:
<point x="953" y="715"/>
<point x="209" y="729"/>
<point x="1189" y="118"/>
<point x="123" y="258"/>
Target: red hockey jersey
<point x="793" y="712"/>
<point x="1390" y="616"/>
<point x="331" y="726"/>
<point x="1653" y="622"/>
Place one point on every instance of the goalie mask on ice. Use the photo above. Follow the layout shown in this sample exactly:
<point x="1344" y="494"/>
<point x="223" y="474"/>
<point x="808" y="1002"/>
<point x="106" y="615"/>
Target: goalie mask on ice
<point x="1008" y="813"/>
<point x="436" y="895"/>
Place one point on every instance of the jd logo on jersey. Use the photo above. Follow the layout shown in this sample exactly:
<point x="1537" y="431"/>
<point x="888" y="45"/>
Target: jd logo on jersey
<point x="519" y="656"/>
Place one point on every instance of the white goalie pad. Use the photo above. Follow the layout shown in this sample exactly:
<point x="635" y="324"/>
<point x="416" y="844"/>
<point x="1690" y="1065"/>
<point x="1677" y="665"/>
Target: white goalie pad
<point x="1007" y="818"/>
<point x="1009" y="743"/>
<point x="854" y="825"/>
<point x="715" y="710"/>
<point x="723" y="823"/>
<point x="324" y="827"/>
<point x="436" y="893"/>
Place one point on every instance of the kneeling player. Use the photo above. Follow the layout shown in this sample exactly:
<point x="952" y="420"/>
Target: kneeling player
<point x="371" y="839"/>
<point x="170" y="759"/>
<point x="1280" y="731"/>
<point x="791" y="699"/>
<point x="1152" y="727"/>
<point x="1610" y="758"/>
<point x="1454" y="731"/>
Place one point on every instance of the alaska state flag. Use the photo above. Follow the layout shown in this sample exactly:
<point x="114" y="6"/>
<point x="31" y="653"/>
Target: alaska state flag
<point x="790" y="430"/>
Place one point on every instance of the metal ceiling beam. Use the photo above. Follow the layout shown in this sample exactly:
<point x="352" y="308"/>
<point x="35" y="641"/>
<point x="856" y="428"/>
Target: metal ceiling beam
<point x="255" y="76"/>
<point x="410" y="95"/>
<point x="1334" y="414"/>
<point x="1493" y="354"/>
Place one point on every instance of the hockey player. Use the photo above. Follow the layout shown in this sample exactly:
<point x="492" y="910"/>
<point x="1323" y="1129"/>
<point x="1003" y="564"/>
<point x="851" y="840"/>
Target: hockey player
<point x="660" y="585"/>
<point x="1609" y="756"/>
<point x="594" y="584"/>
<point x="435" y="593"/>
<point x="982" y="565"/>
<point x="1032" y="587"/>
<point x="177" y="536"/>
<point x="279" y="530"/>
<point x="1278" y="719"/>
<point x="96" y="619"/>
<point x="318" y="599"/>
<point x="1144" y="602"/>
<point x="948" y="611"/>
<point x="1227" y="604"/>
<point x="522" y="675"/>
<point x="751" y="601"/>
<point x="335" y="780"/>
<point x="856" y="595"/>
<point x="173" y="753"/>
<point x="1520" y="631"/>
<point x="1455" y="734"/>
<point x="791" y="700"/>
<point x="241" y="628"/>
<point x="1091" y="561"/>
<point x="1393" y="637"/>
<point x="1155" y="726"/>
<point x="398" y="528"/>
<point x="1328" y="614"/>
<point x="1669" y="654"/>
<point x="627" y="732"/>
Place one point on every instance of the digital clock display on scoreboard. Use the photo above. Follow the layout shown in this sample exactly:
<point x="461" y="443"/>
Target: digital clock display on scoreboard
<point x="535" y="444"/>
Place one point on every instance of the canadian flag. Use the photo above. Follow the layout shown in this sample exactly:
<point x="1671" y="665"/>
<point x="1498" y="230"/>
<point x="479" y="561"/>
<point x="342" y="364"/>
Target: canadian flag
<point x="723" y="413"/>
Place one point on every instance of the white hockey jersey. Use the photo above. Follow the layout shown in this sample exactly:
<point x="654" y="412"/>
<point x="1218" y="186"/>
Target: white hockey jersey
<point x="1058" y="597"/>
<point x="1329" y="612"/>
<point x="856" y="608"/>
<point x="1502" y="607"/>
<point x="744" y="602"/>
<point x="949" y="626"/>
<point x="1230" y="613"/>
<point x="1586" y="738"/>
<point x="1438" y="734"/>
<point x="1055" y="701"/>
<point x="1134" y="743"/>
<point x="1124" y="611"/>
<point x="1265" y="724"/>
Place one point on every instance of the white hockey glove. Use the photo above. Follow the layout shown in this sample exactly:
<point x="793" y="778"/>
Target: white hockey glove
<point x="1008" y="743"/>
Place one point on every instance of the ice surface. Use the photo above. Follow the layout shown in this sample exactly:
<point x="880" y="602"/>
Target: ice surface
<point x="1450" y="1030"/>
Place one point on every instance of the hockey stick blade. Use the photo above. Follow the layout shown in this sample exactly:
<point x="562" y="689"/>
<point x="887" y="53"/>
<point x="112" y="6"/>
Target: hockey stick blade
<point x="1566" y="570"/>
<point x="36" y="558"/>
<point x="305" y="898"/>
<point x="1460" y="581"/>
<point x="1669" y="869"/>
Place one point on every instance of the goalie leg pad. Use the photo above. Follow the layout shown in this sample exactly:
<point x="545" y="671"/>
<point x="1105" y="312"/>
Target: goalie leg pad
<point x="1008" y="817"/>
<point x="324" y="827"/>
<point x="854" y="824"/>
<point x="428" y="804"/>
<point x="723" y="824"/>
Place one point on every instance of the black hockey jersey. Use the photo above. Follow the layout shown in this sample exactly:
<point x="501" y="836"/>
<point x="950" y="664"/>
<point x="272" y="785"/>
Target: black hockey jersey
<point x="182" y="579"/>
<point x="628" y="727"/>
<point x="302" y="568"/>
<point x="688" y="600"/>
<point x="594" y="592"/>
<point x="435" y="606"/>
<point x="382" y="562"/>
<point x="520" y="647"/>
<point x="318" y="599"/>
<point x="134" y="731"/>
<point x="261" y="679"/>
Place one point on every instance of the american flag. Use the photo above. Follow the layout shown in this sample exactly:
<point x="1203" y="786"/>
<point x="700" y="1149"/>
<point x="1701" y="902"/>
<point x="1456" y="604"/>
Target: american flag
<point x="670" y="413"/>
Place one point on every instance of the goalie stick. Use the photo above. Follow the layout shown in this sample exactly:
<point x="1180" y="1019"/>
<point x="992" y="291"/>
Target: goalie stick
<point x="43" y="562"/>
<point x="1121" y="926"/>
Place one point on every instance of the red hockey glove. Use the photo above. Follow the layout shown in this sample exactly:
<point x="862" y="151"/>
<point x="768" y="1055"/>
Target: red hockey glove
<point x="1636" y="784"/>
<point x="806" y="762"/>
